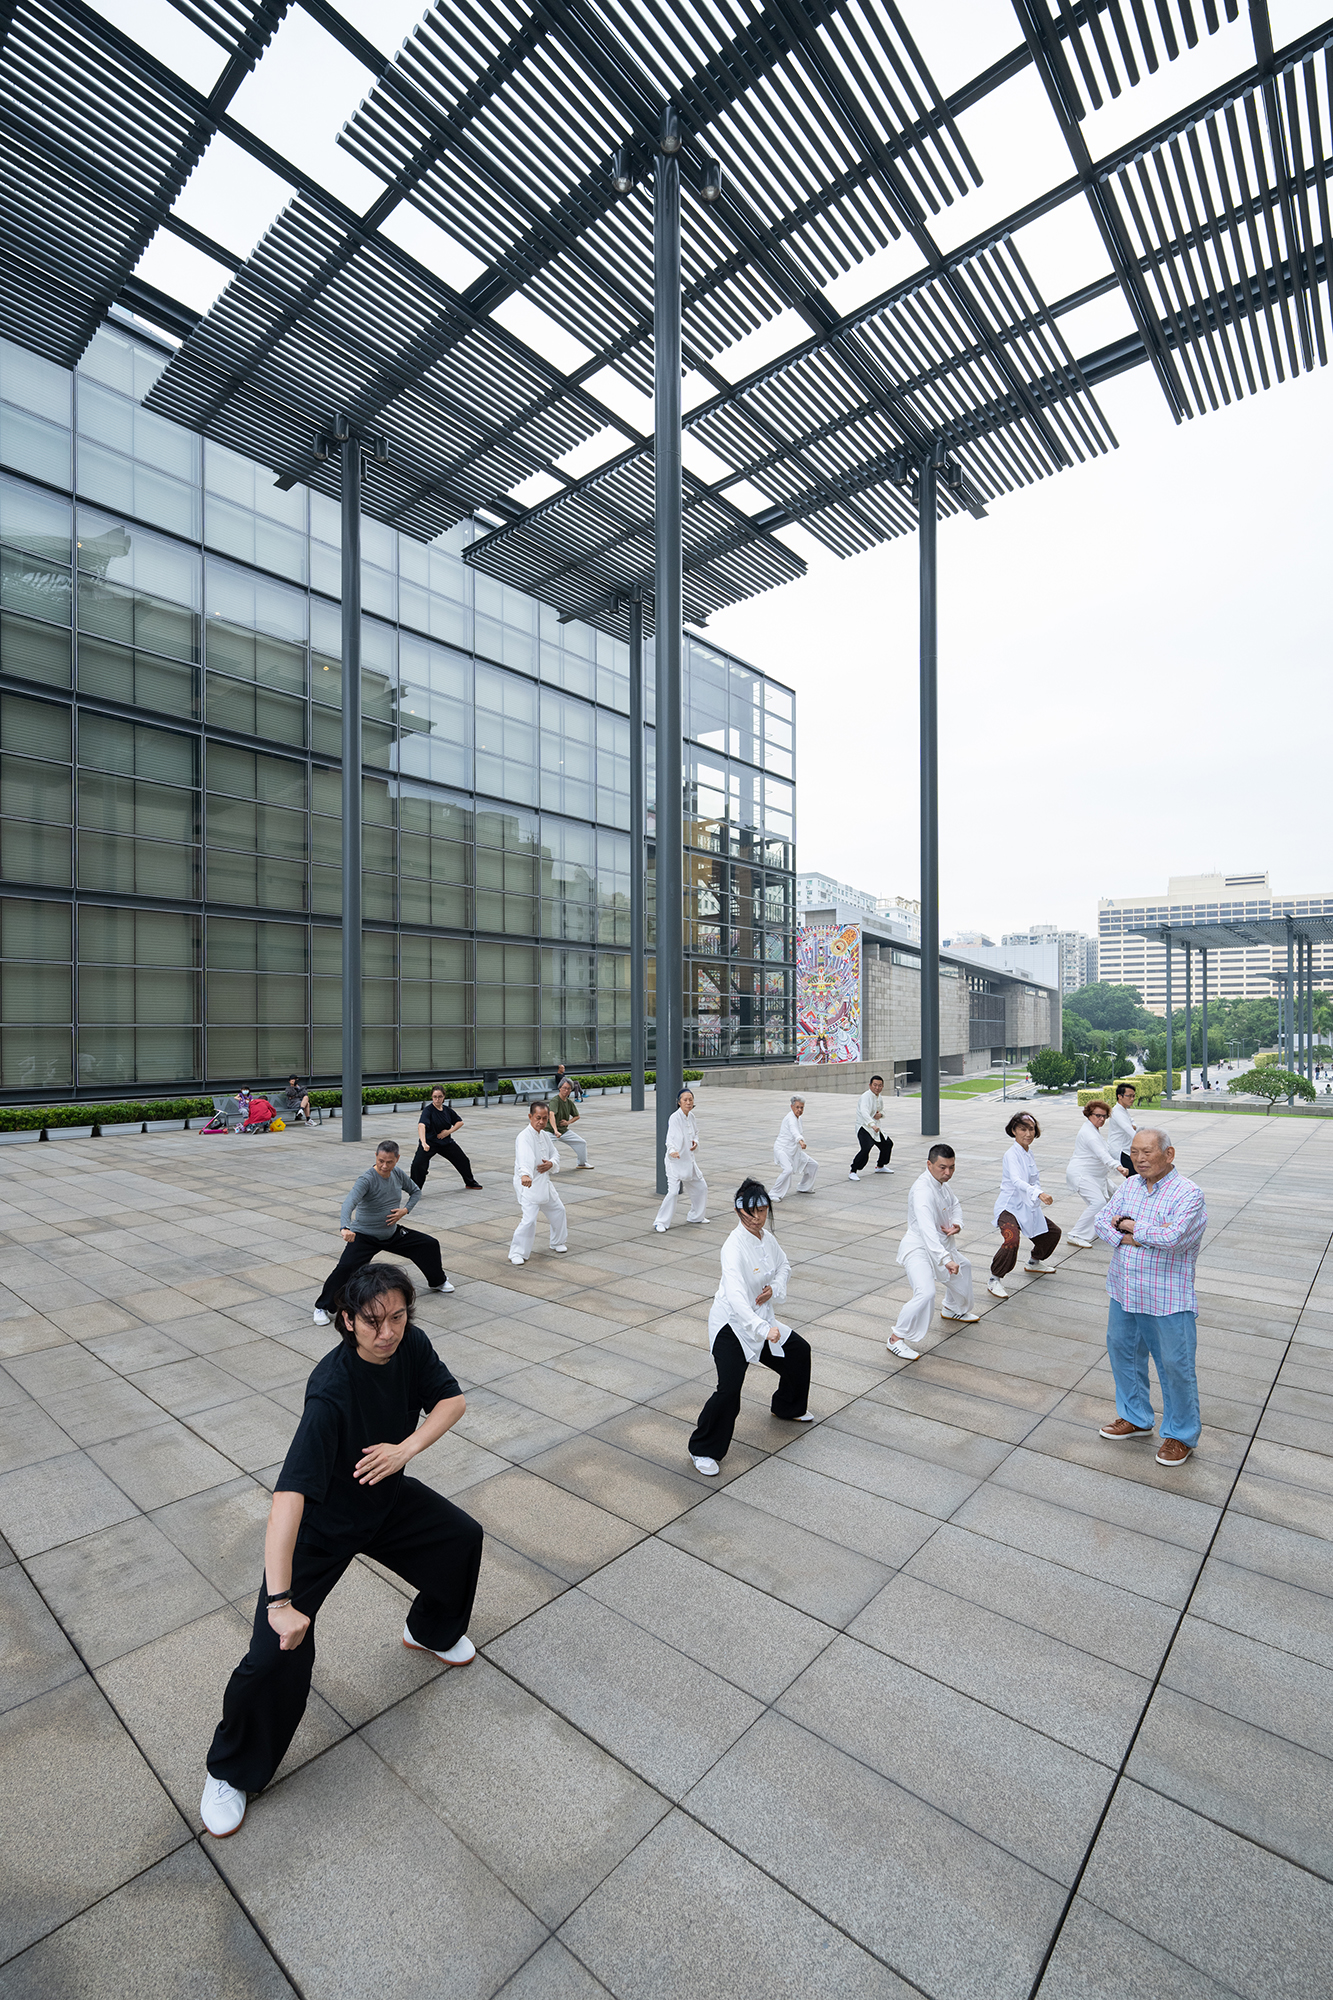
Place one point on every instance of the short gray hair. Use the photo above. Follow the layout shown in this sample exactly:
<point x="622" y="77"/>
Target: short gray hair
<point x="1155" y="1132"/>
<point x="799" y="1098"/>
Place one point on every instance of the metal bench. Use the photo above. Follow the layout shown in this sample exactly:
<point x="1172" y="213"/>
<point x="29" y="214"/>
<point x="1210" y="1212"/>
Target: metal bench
<point x="529" y="1089"/>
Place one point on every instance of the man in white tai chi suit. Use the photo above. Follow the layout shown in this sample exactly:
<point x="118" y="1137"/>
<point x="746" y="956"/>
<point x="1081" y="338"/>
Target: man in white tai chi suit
<point x="682" y="1169"/>
<point x="793" y="1156"/>
<point x="927" y="1254"/>
<point x="870" y="1131"/>
<point x="536" y="1158"/>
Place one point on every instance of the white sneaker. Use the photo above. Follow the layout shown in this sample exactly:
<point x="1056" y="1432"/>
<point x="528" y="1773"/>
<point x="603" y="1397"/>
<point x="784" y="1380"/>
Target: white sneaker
<point x="708" y="1466"/>
<point x="561" y="1249"/>
<point x="322" y="1318"/>
<point x="1080" y="1242"/>
<point x="807" y="1417"/>
<point x="996" y="1289"/>
<point x="518" y="1260"/>
<point x="897" y="1345"/>
<point x="963" y="1319"/>
<point x="222" y="1808"/>
<point x="883" y="1170"/>
<point x="699" y="1221"/>
<point x="853" y="1175"/>
<point x="1039" y="1270"/>
<point x="458" y="1654"/>
<point x="661" y="1227"/>
<point x="445" y="1287"/>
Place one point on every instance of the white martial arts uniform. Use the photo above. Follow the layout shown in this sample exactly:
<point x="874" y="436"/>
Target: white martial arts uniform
<point x="748" y="1264"/>
<point x="794" y="1163"/>
<point x="1119" y="1134"/>
<point x="1020" y="1186"/>
<point x="931" y="1207"/>
<point x="529" y="1147"/>
<point x="682" y="1172"/>
<point x="1093" y="1173"/>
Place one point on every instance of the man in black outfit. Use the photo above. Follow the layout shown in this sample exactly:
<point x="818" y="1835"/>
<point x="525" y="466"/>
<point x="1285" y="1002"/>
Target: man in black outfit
<point x="339" y="1496"/>
<point x="435" y="1128"/>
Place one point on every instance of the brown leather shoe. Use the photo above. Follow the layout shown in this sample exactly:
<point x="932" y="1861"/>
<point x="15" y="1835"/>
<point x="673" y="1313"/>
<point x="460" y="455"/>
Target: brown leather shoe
<point x="1122" y="1428"/>
<point x="1173" y="1452"/>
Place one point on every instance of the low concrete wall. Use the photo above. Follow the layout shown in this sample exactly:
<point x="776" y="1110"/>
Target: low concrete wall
<point x="810" y="1079"/>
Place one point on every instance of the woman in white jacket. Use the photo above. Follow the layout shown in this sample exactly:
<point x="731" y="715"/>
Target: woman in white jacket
<point x="1092" y="1173"/>
<point x="682" y="1144"/>
<point x="742" y="1328"/>
<point x="1018" y="1208"/>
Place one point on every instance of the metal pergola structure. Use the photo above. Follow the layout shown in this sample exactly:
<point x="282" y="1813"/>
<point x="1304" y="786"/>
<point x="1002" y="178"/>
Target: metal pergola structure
<point x="1295" y="986"/>
<point x="553" y="140"/>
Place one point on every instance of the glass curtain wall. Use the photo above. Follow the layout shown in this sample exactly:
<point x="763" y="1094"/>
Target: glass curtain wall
<point x="170" y="780"/>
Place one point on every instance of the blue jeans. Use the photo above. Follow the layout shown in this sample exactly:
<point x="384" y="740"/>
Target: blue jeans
<point x="1169" y="1338"/>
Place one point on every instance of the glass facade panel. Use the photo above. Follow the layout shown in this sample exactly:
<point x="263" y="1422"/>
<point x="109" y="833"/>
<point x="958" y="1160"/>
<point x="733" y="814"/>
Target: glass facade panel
<point x="170" y="782"/>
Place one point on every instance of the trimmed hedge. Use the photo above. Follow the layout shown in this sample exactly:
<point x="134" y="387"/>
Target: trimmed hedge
<point x="1148" y="1087"/>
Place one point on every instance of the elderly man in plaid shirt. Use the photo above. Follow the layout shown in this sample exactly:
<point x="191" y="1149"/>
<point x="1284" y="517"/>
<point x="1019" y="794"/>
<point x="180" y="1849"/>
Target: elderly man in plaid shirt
<point x="1156" y="1222"/>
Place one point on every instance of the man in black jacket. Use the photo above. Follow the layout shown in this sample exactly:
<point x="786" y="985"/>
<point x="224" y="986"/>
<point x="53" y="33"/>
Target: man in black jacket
<point x="435" y="1129"/>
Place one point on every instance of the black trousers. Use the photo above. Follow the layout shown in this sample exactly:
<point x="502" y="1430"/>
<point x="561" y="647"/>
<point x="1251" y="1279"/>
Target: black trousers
<point x="1127" y="1164"/>
<point x="444" y="1148"/>
<point x="867" y="1140"/>
<point x="426" y="1540"/>
<point x="1043" y="1244"/>
<point x="414" y="1244"/>
<point x="717" y="1419"/>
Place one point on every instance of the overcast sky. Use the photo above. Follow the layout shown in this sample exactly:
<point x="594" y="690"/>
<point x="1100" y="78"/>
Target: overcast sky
<point x="1134" y="656"/>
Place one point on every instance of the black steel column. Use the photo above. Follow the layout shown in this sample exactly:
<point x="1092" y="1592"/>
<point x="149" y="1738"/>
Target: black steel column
<point x="668" y="616"/>
<point x="930" y="818"/>
<point x="1309" y="1008"/>
<point x="1189" y="1022"/>
<point x="1170" y="1069"/>
<point x="637" y="847"/>
<point x="1203" y="1053"/>
<point x="1291" y="994"/>
<point x="351" y="746"/>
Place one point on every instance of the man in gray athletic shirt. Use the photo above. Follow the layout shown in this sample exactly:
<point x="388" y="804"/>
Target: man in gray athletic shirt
<point x="379" y="1199"/>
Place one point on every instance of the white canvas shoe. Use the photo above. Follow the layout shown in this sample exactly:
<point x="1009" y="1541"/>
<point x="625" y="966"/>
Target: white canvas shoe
<point x="883" y="1170"/>
<point x="963" y="1319"/>
<point x="445" y="1287"/>
<point x="807" y="1417"/>
<point x="853" y="1175"/>
<point x="897" y="1345"/>
<point x="222" y="1808"/>
<point x="1038" y="1270"/>
<point x="1080" y="1242"/>
<point x="708" y="1466"/>
<point x="518" y="1260"/>
<point x="561" y="1249"/>
<point x="661" y="1227"/>
<point x="996" y="1289"/>
<point x="458" y="1654"/>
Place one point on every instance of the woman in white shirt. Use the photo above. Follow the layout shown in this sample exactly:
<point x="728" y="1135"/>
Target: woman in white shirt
<point x="1092" y="1172"/>
<point x="682" y="1144"/>
<point x="742" y="1328"/>
<point x="1018" y="1208"/>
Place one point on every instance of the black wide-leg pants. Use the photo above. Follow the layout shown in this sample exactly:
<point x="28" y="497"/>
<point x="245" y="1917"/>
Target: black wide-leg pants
<point x="865" y="1141"/>
<point x="424" y="1539"/>
<point x="414" y="1244"/>
<point x="717" y="1419"/>
<point x="443" y="1149"/>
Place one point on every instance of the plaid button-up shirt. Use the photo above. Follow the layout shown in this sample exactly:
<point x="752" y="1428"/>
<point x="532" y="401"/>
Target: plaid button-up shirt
<point x="1155" y="1273"/>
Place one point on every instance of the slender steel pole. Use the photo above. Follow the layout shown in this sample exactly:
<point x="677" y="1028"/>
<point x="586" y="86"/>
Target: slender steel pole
<point x="668" y="616"/>
<point x="930" y="816"/>
<point x="637" y="809"/>
<point x="351" y="692"/>
<point x="1291" y="991"/>
<point x="1309" y="1009"/>
<point x="1203" y="1054"/>
<point x="1189" y="1022"/>
<point x="1170" y="1070"/>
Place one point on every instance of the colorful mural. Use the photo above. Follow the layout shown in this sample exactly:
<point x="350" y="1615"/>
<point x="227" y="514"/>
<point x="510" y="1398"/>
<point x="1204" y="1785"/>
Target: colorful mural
<point x="828" y="993"/>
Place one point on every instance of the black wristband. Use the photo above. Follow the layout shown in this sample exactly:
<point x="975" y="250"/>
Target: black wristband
<point x="276" y="1597"/>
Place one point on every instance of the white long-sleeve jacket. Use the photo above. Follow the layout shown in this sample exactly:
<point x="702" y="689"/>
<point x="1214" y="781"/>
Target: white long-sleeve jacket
<point x="682" y="1133"/>
<point x="1119" y="1132"/>
<point x="931" y="1208"/>
<point x="1092" y="1160"/>
<point x="1020" y="1184"/>
<point x="748" y="1264"/>
<point x="789" y="1140"/>
<point x="870" y="1113"/>
<point x="529" y="1147"/>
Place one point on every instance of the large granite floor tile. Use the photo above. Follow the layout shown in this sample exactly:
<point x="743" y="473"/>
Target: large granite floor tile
<point x="944" y="1908"/>
<point x="552" y="1974"/>
<point x="510" y="1430"/>
<point x="747" y="1637"/>
<point x="1031" y="1795"/>
<point x="28" y="1434"/>
<point x="1068" y="1694"/>
<point x="879" y="1468"/>
<point x="160" y="1936"/>
<point x="1261" y="1607"/>
<point x="359" y="1887"/>
<point x="1140" y="1563"/>
<point x="684" y="1904"/>
<point x="1245" y="1917"/>
<point x="559" y="1530"/>
<point x="1274" y="1690"/>
<point x="789" y="1563"/>
<point x="1275" y="1550"/>
<point x="664" y="1715"/>
<point x="922" y="1435"/>
<point x="54" y="1862"/>
<point x="546" y="1810"/>
<point x="251" y="1433"/>
<point x="620" y="1481"/>
<point x="161" y="1464"/>
<point x="840" y="1511"/>
<point x="1096" y="1958"/>
<point x="1106" y="1495"/>
<point x="663" y="1439"/>
<point x="59" y="1500"/>
<point x="222" y="1532"/>
<point x="117" y="1589"/>
<point x="37" y="1656"/>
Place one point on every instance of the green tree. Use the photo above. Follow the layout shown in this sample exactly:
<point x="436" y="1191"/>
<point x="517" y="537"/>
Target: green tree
<point x="1050" y="1070"/>
<point x="1077" y="1033"/>
<point x="1122" y="1058"/>
<point x="1104" y="1006"/>
<point x="1272" y="1083"/>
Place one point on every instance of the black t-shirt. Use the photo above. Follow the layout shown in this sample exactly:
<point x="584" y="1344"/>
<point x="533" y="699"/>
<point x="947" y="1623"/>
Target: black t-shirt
<point x="349" y="1404"/>
<point x="438" y="1122"/>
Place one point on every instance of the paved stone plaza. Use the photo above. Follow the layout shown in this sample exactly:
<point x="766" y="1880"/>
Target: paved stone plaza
<point x="852" y="1720"/>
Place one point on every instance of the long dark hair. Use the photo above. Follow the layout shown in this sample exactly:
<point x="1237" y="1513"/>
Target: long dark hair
<point x="361" y="1291"/>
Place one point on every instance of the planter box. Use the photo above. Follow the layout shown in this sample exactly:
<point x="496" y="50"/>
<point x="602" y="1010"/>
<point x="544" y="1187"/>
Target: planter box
<point x="69" y="1132"/>
<point x="18" y="1138"/>
<point x="112" y="1131"/>
<point x="166" y="1125"/>
<point x="195" y="1124"/>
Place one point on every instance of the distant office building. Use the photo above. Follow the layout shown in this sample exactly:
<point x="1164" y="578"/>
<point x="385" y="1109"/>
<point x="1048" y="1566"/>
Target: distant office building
<point x="822" y="891"/>
<point x="1240" y="974"/>
<point x="1039" y="962"/>
<point x="968" y="940"/>
<point x="902" y="910"/>
<point x="1078" y="953"/>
